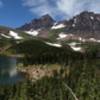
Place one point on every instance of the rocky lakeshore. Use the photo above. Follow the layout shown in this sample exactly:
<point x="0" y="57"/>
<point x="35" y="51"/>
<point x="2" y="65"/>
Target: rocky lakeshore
<point x="37" y="72"/>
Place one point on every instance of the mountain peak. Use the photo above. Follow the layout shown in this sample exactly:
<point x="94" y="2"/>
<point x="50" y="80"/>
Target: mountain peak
<point x="43" y="22"/>
<point x="47" y="16"/>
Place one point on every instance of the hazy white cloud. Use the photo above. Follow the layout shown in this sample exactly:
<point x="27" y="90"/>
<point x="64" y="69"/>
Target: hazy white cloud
<point x="73" y="7"/>
<point x="63" y="8"/>
<point x="1" y="3"/>
<point x="41" y="7"/>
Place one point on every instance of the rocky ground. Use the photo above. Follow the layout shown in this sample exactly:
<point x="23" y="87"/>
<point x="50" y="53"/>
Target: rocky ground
<point x="37" y="72"/>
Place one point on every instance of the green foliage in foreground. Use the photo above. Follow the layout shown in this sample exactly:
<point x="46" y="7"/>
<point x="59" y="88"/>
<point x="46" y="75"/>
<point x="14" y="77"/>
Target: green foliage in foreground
<point x="83" y="79"/>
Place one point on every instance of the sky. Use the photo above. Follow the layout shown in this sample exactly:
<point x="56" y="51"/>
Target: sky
<point x="14" y="13"/>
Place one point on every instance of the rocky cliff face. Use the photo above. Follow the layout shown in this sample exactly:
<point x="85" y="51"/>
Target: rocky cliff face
<point x="86" y="21"/>
<point x="44" y="22"/>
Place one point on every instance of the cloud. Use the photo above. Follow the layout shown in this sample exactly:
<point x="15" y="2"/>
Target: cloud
<point x="73" y="7"/>
<point x="1" y="3"/>
<point x="62" y="8"/>
<point x="41" y="7"/>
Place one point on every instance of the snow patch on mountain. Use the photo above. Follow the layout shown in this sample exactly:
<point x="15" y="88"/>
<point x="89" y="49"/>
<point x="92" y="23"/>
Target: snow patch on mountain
<point x="33" y="32"/>
<point x="58" y="26"/>
<point x="54" y="44"/>
<point x="75" y="20"/>
<point x="6" y="36"/>
<point x="73" y="25"/>
<point x="74" y="47"/>
<point x="62" y="35"/>
<point x="73" y="43"/>
<point x="15" y="35"/>
<point x="81" y="39"/>
<point x="94" y="40"/>
<point x="91" y="17"/>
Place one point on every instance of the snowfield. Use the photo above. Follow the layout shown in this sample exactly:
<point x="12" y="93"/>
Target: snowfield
<point x="91" y="17"/>
<point x="6" y="36"/>
<point x="15" y="35"/>
<point x="74" y="47"/>
<point x="58" y="26"/>
<point x="53" y="44"/>
<point x="33" y="33"/>
<point x="62" y="35"/>
<point x="73" y="44"/>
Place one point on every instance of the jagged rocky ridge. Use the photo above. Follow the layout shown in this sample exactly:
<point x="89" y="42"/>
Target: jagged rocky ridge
<point x="86" y="25"/>
<point x="83" y="27"/>
<point x="45" y="21"/>
<point x="85" y="21"/>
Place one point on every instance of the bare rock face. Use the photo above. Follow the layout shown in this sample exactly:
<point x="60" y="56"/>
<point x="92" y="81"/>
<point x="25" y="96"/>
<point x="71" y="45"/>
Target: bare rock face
<point x="43" y="22"/>
<point x="86" y="21"/>
<point x="86" y="24"/>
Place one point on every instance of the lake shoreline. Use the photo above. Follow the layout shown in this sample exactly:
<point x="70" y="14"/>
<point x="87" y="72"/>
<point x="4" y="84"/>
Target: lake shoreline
<point x="36" y="73"/>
